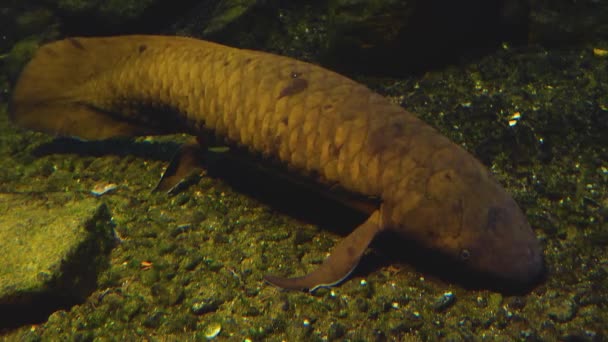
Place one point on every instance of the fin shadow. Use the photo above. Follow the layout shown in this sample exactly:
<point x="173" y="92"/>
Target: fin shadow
<point x="118" y="147"/>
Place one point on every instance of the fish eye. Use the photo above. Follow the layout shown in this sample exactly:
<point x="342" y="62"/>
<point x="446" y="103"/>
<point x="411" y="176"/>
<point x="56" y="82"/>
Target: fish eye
<point x="465" y="254"/>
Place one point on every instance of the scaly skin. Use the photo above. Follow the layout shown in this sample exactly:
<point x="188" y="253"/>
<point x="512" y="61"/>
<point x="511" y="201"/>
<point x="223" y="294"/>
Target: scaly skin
<point x="312" y="120"/>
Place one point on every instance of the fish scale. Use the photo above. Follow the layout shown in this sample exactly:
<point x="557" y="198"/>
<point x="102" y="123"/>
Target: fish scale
<point x="315" y="121"/>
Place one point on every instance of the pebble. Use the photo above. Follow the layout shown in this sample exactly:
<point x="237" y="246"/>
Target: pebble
<point x="444" y="302"/>
<point x="562" y="311"/>
<point x="205" y="305"/>
<point x="600" y="52"/>
<point x="212" y="330"/>
<point x="336" y="331"/>
<point x="103" y="188"/>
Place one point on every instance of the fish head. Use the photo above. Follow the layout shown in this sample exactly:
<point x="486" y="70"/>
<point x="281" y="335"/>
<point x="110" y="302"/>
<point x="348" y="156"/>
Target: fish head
<point x="498" y="240"/>
<point x="476" y="223"/>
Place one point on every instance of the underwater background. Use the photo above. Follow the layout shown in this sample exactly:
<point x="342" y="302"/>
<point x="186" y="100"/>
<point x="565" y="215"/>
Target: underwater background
<point x="522" y="85"/>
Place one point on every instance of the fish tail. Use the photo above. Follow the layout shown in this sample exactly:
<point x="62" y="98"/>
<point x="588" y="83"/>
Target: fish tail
<point x="50" y="94"/>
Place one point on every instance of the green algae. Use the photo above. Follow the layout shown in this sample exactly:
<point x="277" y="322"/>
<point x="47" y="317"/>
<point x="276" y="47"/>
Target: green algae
<point x="53" y="248"/>
<point x="25" y="224"/>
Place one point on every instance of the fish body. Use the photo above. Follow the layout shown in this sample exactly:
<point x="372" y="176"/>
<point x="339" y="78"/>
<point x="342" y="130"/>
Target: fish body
<point x="315" y="122"/>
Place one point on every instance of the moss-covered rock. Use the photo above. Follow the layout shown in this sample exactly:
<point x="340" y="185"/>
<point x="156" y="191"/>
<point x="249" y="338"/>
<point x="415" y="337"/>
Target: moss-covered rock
<point x="53" y="247"/>
<point x="242" y="23"/>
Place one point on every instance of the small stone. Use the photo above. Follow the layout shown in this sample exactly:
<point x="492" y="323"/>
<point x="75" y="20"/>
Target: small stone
<point x="154" y="320"/>
<point x="302" y="236"/>
<point x="212" y="264"/>
<point x="205" y="305"/>
<point x="103" y="188"/>
<point x="482" y="302"/>
<point x="191" y="263"/>
<point x="494" y="301"/>
<point x="336" y="331"/>
<point x="444" y="302"/>
<point x="167" y="295"/>
<point x="361" y="304"/>
<point x="600" y="52"/>
<point x="250" y="310"/>
<point x="212" y="330"/>
<point x="182" y="228"/>
<point x="182" y="199"/>
<point x="411" y="321"/>
<point x="563" y="311"/>
<point x="517" y="303"/>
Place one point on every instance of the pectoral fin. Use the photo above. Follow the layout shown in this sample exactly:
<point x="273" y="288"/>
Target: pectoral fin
<point x="185" y="166"/>
<point x="342" y="261"/>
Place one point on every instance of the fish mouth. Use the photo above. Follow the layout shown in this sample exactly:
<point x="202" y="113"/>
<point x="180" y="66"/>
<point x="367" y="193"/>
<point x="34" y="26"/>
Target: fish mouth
<point x="532" y="264"/>
<point x="509" y="280"/>
<point x="509" y="249"/>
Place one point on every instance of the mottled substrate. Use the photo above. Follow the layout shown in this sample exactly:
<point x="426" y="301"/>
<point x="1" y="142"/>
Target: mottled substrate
<point x="197" y="259"/>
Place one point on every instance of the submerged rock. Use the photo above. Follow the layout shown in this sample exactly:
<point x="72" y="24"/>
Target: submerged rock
<point x="52" y="249"/>
<point x="399" y="37"/>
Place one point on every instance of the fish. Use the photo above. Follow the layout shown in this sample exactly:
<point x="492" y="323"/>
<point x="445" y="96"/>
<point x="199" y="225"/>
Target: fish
<point x="316" y="123"/>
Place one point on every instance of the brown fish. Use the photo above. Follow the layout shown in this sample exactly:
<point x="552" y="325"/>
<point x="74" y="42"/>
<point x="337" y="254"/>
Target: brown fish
<point x="312" y="120"/>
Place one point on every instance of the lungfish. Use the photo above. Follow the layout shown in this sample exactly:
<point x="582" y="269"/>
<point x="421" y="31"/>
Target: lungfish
<point x="314" y="122"/>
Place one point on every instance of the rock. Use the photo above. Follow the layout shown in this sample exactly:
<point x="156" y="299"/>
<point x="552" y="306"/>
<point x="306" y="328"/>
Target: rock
<point x="95" y="17"/>
<point x="444" y="302"/>
<point x="242" y="23"/>
<point x="33" y="22"/>
<point x="398" y="37"/>
<point x="205" y="305"/>
<point x="53" y="247"/>
<point x="562" y="311"/>
<point x="226" y="13"/>
<point x="560" y="22"/>
<point x="212" y="330"/>
<point x="336" y="331"/>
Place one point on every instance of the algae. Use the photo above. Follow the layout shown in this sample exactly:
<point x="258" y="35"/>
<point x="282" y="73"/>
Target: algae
<point x="53" y="248"/>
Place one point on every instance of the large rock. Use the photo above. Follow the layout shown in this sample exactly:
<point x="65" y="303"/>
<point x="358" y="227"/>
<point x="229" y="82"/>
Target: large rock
<point x="397" y="37"/>
<point x="566" y="22"/>
<point x="52" y="248"/>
